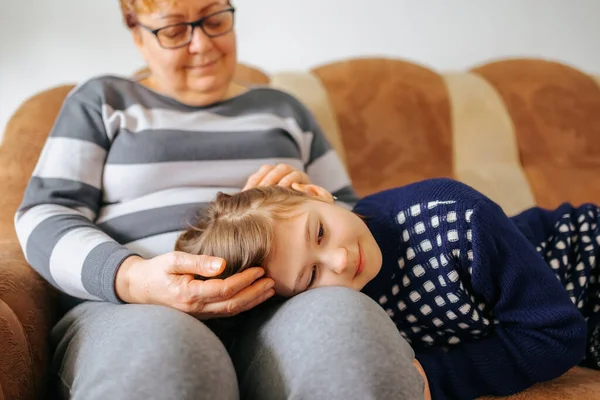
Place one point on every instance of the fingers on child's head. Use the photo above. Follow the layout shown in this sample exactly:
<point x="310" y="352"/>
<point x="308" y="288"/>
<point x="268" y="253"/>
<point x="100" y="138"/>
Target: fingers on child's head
<point x="314" y="191"/>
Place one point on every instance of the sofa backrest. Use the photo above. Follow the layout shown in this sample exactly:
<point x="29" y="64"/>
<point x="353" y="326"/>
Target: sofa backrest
<point x="522" y="131"/>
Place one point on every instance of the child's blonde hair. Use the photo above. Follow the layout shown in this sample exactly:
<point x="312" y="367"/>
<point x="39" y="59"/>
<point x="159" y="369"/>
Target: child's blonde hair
<point x="239" y="227"/>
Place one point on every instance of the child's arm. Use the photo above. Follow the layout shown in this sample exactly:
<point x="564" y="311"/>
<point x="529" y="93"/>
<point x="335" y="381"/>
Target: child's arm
<point x="539" y="333"/>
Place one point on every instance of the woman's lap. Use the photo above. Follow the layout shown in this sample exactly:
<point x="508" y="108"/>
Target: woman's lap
<point x="327" y="343"/>
<point x="324" y="344"/>
<point x="108" y="351"/>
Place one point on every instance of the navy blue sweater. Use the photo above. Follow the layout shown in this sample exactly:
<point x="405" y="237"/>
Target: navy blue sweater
<point x="480" y="306"/>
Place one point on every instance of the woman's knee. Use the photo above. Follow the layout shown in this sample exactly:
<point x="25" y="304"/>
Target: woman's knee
<point x="326" y="343"/>
<point x="147" y="351"/>
<point x="338" y="316"/>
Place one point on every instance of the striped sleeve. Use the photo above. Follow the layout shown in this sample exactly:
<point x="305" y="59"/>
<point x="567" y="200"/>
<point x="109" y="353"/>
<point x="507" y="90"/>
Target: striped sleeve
<point x="324" y="166"/>
<point x="54" y="222"/>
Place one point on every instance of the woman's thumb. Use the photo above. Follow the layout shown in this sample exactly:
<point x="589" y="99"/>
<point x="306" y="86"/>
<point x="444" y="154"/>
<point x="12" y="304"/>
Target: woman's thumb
<point x="202" y="265"/>
<point x="210" y="266"/>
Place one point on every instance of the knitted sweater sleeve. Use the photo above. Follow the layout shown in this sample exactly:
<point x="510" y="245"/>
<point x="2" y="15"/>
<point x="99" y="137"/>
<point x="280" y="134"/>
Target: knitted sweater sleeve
<point x="538" y="335"/>
<point x="55" y="221"/>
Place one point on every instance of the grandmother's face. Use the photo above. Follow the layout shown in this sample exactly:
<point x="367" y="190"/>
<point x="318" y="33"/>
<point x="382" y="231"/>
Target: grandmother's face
<point x="205" y="64"/>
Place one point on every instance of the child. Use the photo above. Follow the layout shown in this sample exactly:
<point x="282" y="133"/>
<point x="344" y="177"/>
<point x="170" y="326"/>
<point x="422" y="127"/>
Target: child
<point x="490" y="304"/>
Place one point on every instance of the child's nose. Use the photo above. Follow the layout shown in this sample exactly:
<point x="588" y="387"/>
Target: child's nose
<point x="339" y="260"/>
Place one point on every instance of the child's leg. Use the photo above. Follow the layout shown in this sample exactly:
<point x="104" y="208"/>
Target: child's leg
<point x="568" y="238"/>
<point x="592" y="354"/>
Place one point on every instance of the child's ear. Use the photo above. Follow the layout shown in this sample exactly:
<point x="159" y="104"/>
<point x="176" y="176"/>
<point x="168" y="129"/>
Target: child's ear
<point x="314" y="191"/>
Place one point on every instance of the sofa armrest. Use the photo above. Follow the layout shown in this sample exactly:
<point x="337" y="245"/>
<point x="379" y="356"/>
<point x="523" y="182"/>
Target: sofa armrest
<point x="577" y="384"/>
<point x="28" y="310"/>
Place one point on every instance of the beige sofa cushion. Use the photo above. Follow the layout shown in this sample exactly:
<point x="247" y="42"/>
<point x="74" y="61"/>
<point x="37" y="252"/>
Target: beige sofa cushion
<point x="485" y="151"/>
<point x="307" y="88"/>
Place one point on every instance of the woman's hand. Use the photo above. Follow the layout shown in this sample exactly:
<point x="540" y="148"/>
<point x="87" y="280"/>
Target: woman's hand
<point x="168" y="280"/>
<point x="281" y="175"/>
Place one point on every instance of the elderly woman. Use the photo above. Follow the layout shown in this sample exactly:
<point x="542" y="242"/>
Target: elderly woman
<point x="125" y="165"/>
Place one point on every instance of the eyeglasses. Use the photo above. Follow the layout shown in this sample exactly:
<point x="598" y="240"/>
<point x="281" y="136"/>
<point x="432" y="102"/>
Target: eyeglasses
<point x="179" y="35"/>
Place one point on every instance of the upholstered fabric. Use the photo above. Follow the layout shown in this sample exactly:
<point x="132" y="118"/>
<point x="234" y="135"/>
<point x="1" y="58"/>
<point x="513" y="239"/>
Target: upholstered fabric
<point x="28" y="309"/>
<point x="28" y="305"/>
<point x="395" y="121"/>
<point x="484" y="146"/>
<point x="577" y="384"/>
<point x="514" y="129"/>
<point x="523" y="132"/>
<point x="23" y="141"/>
<point x="308" y="89"/>
<point x="555" y="111"/>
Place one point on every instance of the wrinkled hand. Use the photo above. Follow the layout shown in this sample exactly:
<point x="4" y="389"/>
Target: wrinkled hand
<point x="281" y="175"/>
<point x="168" y="280"/>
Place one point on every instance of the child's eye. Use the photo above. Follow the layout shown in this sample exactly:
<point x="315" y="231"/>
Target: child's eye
<point x="321" y="233"/>
<point x="313" y="276"/>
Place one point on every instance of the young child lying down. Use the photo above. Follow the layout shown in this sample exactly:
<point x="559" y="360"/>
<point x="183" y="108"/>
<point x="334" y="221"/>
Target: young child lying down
<point x="490" y="304"/>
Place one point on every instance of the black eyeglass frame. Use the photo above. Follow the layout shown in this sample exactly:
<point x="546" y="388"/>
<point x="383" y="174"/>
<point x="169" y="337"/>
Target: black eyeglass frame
<point x="194" y="24"/>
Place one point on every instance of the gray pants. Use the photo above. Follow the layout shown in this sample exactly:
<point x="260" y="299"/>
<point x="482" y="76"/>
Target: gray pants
<point x="328" y="343"/>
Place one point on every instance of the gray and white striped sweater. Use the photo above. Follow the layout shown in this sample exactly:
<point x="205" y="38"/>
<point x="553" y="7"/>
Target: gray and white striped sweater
<point x="126" y="169"/>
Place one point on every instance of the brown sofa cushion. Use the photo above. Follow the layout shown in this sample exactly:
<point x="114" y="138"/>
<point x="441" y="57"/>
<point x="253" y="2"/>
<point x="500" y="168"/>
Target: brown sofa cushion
<point x="395" y="120"/>
<point x="556" y="114"/>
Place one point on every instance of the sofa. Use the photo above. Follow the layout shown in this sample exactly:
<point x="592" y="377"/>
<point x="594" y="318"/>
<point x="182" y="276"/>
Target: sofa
<point x="522" y="131"/>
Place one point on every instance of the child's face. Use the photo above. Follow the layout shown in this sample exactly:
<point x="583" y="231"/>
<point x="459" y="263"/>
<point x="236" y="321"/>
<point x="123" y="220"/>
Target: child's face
<point x="324" y="245"/>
